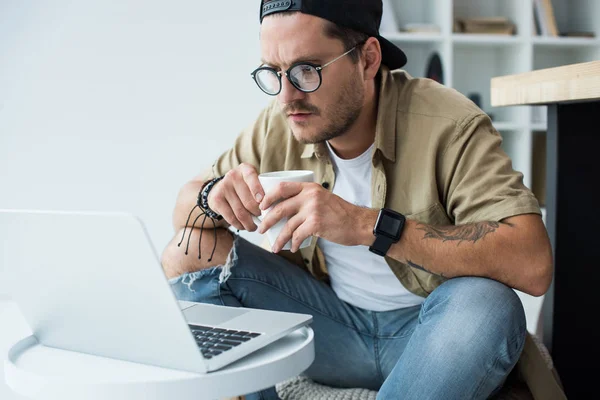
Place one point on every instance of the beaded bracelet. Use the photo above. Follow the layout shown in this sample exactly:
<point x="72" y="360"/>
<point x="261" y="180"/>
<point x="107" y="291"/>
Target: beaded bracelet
<point x="203" y="198"/>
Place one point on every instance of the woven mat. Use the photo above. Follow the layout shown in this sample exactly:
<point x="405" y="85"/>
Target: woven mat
<point x="303" y="388"/>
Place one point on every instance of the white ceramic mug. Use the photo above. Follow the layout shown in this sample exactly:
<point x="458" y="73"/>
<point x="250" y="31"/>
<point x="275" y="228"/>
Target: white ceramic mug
<point x="269" y="180"/>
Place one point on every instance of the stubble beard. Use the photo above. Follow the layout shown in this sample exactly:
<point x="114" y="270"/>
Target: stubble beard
<point x="341" y="116"/>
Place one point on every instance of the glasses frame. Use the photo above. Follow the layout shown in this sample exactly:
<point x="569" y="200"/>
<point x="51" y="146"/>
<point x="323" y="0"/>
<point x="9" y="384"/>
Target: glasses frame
<point x="317" y="67"/>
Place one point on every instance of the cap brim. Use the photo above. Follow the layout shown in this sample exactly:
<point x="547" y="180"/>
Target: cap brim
<point x="392" y="56"/>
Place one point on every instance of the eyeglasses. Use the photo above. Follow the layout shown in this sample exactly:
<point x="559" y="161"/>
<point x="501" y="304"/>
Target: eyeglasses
<point x="305" y="76"/>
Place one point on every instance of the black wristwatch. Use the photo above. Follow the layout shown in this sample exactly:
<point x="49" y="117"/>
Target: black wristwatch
<point x="387" y="230"/>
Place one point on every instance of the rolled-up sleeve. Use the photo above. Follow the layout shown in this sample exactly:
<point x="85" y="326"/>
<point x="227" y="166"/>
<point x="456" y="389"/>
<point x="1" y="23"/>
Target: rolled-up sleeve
<point x="483" y="186"/>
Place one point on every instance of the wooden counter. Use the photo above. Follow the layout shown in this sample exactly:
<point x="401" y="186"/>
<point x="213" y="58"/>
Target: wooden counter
<point x="574" y="82"/>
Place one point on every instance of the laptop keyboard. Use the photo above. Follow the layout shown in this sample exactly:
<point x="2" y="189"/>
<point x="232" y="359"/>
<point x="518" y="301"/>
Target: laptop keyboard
<point x="214" y="341"/>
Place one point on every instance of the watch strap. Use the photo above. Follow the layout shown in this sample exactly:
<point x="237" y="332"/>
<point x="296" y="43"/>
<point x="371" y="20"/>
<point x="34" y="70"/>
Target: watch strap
<point x="381" y="245"/>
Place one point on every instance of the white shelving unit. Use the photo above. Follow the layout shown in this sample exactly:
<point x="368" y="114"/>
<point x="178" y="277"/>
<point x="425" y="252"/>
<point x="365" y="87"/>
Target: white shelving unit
<point x="471" y="60"/>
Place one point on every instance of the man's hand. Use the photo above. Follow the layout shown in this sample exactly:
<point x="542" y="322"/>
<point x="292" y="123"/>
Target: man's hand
<point x="314" y="211"/>
<point x="237" y="196"/>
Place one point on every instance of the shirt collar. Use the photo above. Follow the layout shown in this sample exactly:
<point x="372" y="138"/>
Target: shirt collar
<point x="319" y="149"/>
<point x="385" y="128"/>
<point x="309" y="150"/>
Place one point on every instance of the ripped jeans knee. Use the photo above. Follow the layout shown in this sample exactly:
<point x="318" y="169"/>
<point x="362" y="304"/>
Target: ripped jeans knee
<point x="203" y="286"/>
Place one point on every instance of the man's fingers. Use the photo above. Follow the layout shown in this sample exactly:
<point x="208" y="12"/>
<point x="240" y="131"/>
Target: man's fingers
<point x="217" y="201"/>
<point x="286" y="233"/>
<point x="286" y="208"/>
<point x="250" y="176"/>
<point x="282" y="190"/>
<point x="229" y="216"/>
<point x="241" y="213"/>
<point x="300" y="233"/>
<point x="246" y="197"/>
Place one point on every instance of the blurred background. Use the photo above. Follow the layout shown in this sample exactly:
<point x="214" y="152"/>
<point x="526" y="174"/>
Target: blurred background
<point x="114" y="105"/>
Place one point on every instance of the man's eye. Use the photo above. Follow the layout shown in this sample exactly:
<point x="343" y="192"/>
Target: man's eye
<point x="308" y="71"/>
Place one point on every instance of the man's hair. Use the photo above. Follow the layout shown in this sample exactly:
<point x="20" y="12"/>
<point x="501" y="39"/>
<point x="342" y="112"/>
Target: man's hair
<point x="349" y="38"/>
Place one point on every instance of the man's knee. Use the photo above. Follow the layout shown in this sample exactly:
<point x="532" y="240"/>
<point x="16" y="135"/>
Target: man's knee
<point x="196" y="250"/>
<point x="478" y="305"/>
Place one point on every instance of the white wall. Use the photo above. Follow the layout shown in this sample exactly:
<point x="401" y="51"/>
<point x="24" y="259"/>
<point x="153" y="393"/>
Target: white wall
<point x="113" y="105"/>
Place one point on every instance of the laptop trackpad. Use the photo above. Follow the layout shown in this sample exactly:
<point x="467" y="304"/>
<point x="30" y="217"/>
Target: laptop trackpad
<point x="206" y="314"/>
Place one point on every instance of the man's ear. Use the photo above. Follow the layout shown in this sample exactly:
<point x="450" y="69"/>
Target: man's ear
<point x="371" y="55"/>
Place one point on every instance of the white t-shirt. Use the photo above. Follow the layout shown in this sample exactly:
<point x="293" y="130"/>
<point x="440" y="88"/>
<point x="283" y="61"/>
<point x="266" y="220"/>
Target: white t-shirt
<point x="358" y="276"/>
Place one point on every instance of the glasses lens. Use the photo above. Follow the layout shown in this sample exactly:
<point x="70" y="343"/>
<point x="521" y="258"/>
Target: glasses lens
<point x="305" y="77"/>
<point x="268" y="81"/>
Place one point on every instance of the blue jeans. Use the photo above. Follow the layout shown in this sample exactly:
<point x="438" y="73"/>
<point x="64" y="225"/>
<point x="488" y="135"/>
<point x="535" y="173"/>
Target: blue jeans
<point x="461" y="343"/>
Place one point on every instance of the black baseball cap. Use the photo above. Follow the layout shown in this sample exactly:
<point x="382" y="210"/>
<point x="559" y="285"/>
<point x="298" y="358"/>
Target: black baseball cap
<point x="361" y="15"/>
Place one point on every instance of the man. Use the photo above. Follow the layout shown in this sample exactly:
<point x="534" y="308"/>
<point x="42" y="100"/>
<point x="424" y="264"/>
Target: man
<point x="421" y="227"/>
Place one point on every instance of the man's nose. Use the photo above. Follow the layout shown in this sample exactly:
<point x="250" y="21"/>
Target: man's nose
<point x="289" y="93"/>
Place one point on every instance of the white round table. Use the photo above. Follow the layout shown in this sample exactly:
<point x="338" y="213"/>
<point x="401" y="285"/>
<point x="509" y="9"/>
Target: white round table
<point x="39" y="372"/>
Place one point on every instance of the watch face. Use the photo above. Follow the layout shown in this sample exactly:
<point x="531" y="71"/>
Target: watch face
<point x="389" y="225"/>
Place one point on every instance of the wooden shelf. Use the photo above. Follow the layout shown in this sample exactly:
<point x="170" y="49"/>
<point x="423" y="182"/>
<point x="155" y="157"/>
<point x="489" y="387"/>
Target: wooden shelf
<point x="539" y="126"/>
<point x="507" y="126"/>
<point x="545" y="41"/>
<point x="487" y="40"/>
<point x="412" y="37"/>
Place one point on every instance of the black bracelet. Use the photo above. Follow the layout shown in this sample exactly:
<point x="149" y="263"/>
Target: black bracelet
<point x="203" y="198"/>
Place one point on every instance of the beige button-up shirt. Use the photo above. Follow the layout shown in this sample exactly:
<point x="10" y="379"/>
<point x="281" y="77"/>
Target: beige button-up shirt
<point x="437" y="159"/>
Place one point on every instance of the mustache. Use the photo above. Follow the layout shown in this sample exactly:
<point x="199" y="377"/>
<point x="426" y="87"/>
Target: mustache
<point x="299" y="107"/>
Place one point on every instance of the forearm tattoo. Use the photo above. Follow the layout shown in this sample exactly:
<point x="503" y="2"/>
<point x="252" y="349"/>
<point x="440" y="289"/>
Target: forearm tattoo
<point x="460" y="233"/>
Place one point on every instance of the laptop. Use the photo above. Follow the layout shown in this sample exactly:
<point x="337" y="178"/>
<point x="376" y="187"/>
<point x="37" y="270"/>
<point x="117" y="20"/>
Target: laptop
<point x="92" y="282"/>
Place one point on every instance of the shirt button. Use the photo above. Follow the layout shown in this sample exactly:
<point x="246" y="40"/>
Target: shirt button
<point x="325" y="185"/>
<point x="306" y="261"/>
